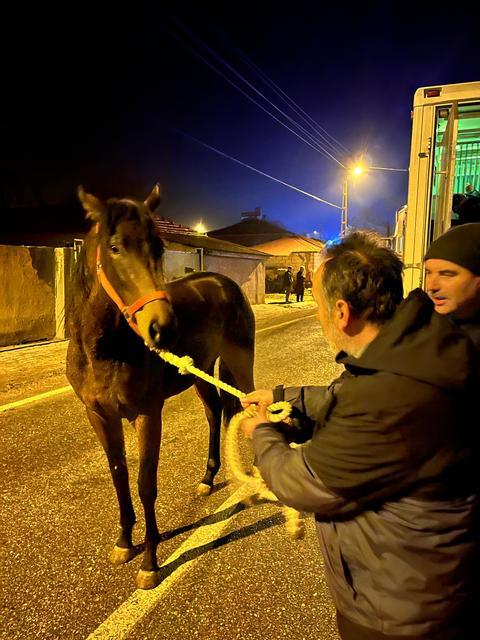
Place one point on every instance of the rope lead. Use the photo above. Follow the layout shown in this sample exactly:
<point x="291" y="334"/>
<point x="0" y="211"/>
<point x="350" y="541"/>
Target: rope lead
<point x="277" y="412"/>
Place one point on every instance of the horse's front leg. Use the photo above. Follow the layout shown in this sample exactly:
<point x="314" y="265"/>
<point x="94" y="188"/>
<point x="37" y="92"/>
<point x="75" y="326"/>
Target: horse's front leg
<point x="213" y="410"/>
<point x="110" y="433"/>
<point x="149" y="432"/>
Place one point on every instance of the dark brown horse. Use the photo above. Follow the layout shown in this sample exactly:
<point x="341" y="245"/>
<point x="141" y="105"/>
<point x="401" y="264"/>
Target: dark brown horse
<point x="121" y="307"/>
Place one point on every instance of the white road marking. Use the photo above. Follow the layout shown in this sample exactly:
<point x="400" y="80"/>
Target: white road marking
<point x="282" y="324"/>
<point x="39" y="396"/>
<point x="67" y="389"/>
<point x="122" y="621"/>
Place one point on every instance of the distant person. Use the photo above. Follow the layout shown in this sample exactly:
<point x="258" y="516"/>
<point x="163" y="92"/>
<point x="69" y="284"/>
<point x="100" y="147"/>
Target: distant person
<point x="300" y="284"/>
<point x="452" y="277"/>
<point x="457" y="201"/>
<point x="466" y="207"/>
<point x="287" y="283"/>
<point x="471" y="192"/>
<point x="389" y="460"/>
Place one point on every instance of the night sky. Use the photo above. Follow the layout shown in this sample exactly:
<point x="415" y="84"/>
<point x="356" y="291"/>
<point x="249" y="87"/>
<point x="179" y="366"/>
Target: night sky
<point x="104" y="97"/>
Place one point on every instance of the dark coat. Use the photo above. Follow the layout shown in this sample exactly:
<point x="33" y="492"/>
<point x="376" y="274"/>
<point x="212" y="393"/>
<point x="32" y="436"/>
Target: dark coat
<point x="390" y="473"/>
<point x="471" y="327"/>
<point x="287" y="279"/>
<point x="300" y="282"/>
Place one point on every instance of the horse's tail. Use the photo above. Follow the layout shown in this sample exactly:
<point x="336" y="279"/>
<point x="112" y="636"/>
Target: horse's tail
<point x="230" y="404"/>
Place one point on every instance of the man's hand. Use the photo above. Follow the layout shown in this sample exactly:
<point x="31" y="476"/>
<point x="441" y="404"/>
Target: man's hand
<point x="259" y="396"/>
<point x="248" y="425"/>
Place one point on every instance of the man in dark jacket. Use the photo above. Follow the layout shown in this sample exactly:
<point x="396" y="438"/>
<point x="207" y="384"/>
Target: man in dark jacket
<point x="287" y="283"/>
<point x="388" y="460"/>
<point x="452" y="277"/>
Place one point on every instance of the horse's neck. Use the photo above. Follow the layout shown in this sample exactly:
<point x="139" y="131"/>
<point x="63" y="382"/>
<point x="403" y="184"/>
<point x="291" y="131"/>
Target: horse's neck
<point x="104" y="333"/>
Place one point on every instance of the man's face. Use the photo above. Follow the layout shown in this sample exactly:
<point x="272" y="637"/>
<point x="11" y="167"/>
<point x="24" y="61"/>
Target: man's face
<point x="331" y="331"/>
<point x="452" y="288"/>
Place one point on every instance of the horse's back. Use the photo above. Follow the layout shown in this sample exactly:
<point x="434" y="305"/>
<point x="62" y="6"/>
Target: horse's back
<point x="214" y="291"/>
<point x="213" y="305"/>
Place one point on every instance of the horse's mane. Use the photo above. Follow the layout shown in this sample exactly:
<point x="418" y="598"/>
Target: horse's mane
<point x="82" y="278"/>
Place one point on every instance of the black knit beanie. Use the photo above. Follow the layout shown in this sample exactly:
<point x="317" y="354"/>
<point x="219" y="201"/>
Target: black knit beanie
<point x="460" y="245"/>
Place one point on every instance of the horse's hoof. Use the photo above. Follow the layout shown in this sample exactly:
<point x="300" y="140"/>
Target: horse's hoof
<point x="204" y="489"/>
<point x="121" y="555"/>
<point x="148" y="579"/>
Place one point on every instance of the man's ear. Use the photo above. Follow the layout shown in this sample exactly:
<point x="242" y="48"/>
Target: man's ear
<point x="343" y="314"/>
<point x="93" y="206"/>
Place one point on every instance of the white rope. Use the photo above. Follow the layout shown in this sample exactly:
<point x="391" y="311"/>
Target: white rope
<point x="276" y="412"/>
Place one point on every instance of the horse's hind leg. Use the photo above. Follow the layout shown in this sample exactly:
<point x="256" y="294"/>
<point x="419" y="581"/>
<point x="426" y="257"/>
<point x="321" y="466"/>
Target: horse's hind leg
<point x="213" y="410"/>
<point x="238" y="360"/>
<point x="149" y="432"/>
<point x="110" y="434"/>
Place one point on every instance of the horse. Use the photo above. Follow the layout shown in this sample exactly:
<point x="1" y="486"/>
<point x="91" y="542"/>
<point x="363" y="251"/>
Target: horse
<point x="121" y="309"/>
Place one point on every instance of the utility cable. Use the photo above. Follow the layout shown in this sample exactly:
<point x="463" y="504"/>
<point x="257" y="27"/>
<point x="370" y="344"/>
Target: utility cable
<point x="222" y="61"/>
<point x="262" y="173"/>
<point x="214" y="68"/>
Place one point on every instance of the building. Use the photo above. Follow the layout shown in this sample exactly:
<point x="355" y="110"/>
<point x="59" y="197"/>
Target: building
<point x="187" y="251"/>
<point x="37" y="265"/>
<point x="253" y="229"/>
<point x="293" y="251"/>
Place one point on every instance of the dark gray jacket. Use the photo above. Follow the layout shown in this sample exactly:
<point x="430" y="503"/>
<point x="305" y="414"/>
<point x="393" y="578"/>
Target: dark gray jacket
<point x="390" y="473"/>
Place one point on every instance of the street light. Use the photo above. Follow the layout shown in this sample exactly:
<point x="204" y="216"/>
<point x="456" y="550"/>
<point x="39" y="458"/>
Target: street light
<point x="200" y="228"/>
<point x="355" y="171"/>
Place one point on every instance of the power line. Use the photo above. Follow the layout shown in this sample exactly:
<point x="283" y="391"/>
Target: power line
<point x="291" y="103"/>
<point x="222" y="60"/>
<point x="388" y="169"/>
<point x="319" y="148"/>
<point x="266" y="175"/>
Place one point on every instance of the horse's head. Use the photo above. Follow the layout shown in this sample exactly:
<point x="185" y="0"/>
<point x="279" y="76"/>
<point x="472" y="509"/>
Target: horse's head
<point x="129" y="263"/>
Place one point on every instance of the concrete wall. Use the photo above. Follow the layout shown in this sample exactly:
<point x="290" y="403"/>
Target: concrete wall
<point x="27" y="294"/>
<point x="249" y="273"/>
<point x="36" y="286"/>
<point x="177" y="263"/>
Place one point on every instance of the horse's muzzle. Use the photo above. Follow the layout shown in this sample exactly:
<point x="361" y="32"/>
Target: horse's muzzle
<point x="163" y="336"/>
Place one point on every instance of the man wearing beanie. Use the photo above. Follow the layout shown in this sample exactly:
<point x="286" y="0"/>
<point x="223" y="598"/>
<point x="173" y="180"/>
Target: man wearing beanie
<point x="452" y="276"/>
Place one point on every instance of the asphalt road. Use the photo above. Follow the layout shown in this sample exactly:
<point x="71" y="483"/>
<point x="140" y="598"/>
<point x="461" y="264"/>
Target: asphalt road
<point x="229" y="572"/>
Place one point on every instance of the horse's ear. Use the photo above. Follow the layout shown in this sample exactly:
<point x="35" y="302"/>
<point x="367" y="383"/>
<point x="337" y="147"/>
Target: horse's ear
<point x="154" y="198"/>
<point x="94" y="207"/>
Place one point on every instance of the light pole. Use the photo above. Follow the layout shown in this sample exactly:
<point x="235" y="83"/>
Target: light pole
<point x="356" y="171"/>
<point x="344" y="219"/>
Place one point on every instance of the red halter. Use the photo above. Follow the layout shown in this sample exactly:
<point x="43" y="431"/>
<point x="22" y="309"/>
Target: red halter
<point x="127" y="311"/>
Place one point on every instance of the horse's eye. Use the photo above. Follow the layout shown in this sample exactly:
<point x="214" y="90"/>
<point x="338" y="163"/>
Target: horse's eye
<point x="114" y="248"/>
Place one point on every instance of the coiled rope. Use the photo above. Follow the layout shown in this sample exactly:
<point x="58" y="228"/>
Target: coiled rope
<point x="276" y="412"/>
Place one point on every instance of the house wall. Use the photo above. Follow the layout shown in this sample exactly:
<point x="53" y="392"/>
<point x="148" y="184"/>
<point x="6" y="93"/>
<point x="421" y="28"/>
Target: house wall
<point x="249" y="273"/>
<point x="27" y="287"/>
<point x="36" y="286"/>
<point x="177" y="263"/>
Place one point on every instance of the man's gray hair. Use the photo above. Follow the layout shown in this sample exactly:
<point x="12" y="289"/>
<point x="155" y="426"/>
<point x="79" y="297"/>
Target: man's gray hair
<point x="365" y="274"/>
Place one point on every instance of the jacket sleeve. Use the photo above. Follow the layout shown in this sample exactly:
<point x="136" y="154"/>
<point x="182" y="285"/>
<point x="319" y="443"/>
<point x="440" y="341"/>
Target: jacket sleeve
<point x="288" y="475"/>
<point x="361" y="455"/>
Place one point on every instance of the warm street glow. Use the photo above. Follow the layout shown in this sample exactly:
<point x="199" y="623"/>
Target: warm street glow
<point x="200" y="228"/>
<point x="357" y="171"/>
